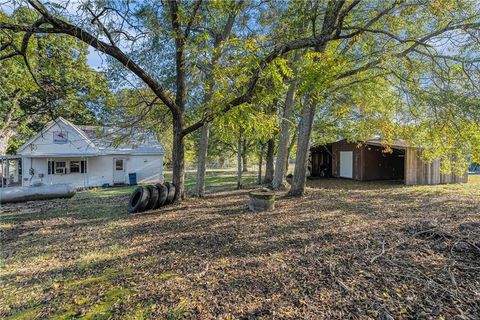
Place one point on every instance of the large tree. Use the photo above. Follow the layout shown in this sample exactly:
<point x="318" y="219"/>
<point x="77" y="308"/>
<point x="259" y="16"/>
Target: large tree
<point x="218" y="34"/>
<point x="48" y="78"/>
<point x="158" y="43"/>
<point x="404" y="47"/>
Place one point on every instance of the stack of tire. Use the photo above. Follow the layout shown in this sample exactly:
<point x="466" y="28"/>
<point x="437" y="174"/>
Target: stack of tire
<point x="151" y="197"/>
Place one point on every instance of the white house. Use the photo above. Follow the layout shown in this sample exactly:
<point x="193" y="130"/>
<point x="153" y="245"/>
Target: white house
<point x="87" y="156"/>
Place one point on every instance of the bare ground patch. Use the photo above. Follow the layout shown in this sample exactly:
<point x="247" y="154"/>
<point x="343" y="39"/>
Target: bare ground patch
<point x="346" y="250"/>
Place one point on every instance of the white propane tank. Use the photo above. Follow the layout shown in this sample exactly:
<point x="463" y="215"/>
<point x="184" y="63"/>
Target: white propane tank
<point x="43" y="192"/>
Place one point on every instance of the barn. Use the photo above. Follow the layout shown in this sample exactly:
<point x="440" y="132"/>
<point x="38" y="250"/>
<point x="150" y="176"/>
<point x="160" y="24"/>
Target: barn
<point x="372" y="160"/>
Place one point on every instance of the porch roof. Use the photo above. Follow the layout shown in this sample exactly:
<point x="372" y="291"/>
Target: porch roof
<point x="10" y="157"/>
<point x="63" y="155"/>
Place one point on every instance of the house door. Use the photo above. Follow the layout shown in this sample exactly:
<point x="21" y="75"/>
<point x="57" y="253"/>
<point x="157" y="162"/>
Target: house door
<point x="346" y="164"/>
<point x="118" y="170"/>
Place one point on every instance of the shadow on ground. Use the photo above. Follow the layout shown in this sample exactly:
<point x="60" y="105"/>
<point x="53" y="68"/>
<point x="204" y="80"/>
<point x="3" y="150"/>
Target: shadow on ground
<point x="345" y="250"/>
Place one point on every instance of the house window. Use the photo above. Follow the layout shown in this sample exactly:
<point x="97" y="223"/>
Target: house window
<point x="74" y="166"/>
<point x="60" y="167"/>
<point x="119" y="165"/>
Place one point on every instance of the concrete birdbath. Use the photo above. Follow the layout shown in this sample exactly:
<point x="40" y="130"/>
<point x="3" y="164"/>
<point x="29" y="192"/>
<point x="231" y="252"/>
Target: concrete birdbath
<point x="261" y="200"/>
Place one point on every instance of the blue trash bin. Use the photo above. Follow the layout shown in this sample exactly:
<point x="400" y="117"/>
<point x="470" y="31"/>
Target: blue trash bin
<point x="132" y="179"/>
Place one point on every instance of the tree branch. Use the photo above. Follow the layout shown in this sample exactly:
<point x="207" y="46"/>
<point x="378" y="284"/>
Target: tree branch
<point x="62" y="27"/>
<point x="372" y="21"/>
<point x="342" y="15"/>
<point x="100" y="25"/>
<point x="196" y="6"/>
<point x="310" y="42"/>
<point x="420" y="42"/>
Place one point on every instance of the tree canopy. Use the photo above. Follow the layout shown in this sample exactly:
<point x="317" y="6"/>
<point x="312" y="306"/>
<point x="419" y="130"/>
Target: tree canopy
<point x="43" y="80"/>
<point x="398" y="69"/>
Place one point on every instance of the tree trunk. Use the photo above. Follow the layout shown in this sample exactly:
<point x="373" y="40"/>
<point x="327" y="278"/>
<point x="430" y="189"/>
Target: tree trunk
<point x="178" y="158"/>
<point x="203" y="146"/>
<point x="290" y="147"/>
<point x="260" y="164"/>
<point x="5" y="136"/>
<point x="282" y="153"/>
<point x="244" y="156"/>
<point x="269" y="162"/>
<point x="305" y="131"/>
<point x="202" y="160"/>
<point x="239" y="161"/>
<point x="8" y="128"/>
<point x="244" y="163"/>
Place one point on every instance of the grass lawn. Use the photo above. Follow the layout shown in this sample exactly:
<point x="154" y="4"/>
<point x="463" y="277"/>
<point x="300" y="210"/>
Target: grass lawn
<point x="217" y="179"/>
<point x="345" y="250"/>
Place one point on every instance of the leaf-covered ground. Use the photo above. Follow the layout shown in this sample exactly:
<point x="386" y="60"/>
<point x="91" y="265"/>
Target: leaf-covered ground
<point x="346" y="250"/>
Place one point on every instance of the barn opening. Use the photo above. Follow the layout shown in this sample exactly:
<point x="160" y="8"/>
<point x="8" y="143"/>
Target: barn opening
<point x="320" y="163"/>
<point x="365" y="162"/>
<point x="382" y="163"/>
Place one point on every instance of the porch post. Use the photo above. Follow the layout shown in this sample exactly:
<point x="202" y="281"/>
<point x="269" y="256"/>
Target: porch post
<point x="16" y="171"/>
<point x="86" y="170"/>
<point x="23" y="169"/>
<point x="49" y="176"/>
<point x="3" y="171"/>
<point x="7" y="171"/>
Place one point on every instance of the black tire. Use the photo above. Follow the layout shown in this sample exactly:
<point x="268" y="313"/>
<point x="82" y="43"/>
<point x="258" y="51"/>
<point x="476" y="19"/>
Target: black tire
<point x="152" y="202"/>
<point x="138" y="200"/>
<point x="171" y="193"/>
<point x="162" y="194"/>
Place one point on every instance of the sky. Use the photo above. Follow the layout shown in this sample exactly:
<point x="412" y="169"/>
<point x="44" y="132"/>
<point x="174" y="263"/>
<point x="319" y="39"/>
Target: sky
<point x="6" y="7"/>
<point x="95" y="59"/>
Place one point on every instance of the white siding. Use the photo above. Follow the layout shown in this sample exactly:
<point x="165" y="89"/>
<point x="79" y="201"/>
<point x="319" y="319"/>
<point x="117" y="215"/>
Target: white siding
<point x="100" y="163"/>
<point x="149" y="169"/>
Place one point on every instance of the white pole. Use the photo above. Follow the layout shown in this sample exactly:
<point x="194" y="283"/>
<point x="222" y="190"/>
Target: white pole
<point x="86" y="169"/>
<point x="7" y="171"/>
<point x="23" y="169"/>
<point x="49" y="165"/>
<point x="3" y="171"/>
<point x="84" y="172"/>
<point x="16" y="170"/>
